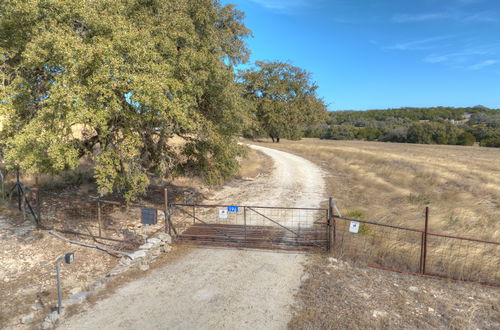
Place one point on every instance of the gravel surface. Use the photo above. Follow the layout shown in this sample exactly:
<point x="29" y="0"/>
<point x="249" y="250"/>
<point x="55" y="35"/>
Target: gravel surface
<point x="221" y="288"/>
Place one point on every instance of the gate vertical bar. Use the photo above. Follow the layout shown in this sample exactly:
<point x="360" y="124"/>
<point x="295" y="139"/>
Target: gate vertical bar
<point x="194" y="214"/>
<point x="245" y="223"/>
<point x="426" y="229"/>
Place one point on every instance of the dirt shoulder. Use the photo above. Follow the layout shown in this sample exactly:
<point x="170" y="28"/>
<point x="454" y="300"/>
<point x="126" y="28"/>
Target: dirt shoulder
<point x="339" y="295"/>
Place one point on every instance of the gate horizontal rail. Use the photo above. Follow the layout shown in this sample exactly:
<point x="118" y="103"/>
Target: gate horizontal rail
<point x="262" y="227"/>
<point x="249" y="206"/>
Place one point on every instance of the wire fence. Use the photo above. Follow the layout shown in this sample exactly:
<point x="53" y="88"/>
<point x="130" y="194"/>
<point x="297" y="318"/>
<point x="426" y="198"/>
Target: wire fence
<point x="119" y="226"/>
<point x="417" y="250"/>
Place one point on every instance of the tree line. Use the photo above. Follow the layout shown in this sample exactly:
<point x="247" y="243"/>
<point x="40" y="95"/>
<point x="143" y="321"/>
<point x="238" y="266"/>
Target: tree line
<point x="438" y="125"/>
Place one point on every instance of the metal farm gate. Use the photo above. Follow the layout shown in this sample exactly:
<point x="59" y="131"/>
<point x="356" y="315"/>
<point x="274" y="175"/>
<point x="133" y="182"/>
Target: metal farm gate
<point x="261" y="227"/>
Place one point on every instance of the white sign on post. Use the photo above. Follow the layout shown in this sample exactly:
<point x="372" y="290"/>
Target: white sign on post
<point x="222" y="214"/>
<point x="354" y="227"/>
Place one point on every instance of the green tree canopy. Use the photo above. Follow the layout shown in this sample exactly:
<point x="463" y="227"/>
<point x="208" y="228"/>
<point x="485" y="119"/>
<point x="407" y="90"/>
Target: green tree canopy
<point x="284" y="98"/>
<point x="115" y="80"/>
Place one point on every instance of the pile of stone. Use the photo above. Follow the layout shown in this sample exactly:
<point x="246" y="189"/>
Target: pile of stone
<point x="140" y="259"/>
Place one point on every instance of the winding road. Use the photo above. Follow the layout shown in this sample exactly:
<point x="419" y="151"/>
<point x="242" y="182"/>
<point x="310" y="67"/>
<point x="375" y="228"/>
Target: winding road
<point x="220" y="288"/>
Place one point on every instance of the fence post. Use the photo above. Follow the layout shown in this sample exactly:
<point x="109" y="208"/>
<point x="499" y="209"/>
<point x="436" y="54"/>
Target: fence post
<point x="18" y="185"/>
<point x="424" y="241"/>
<point x="99" y="217"/>
<point x="38" y="211"/>
<point x="331" y="234"/>
<point x="167" y="213"/>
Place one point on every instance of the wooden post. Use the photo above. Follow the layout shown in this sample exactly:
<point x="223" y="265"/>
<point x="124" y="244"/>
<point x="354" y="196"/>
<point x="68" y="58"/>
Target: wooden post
<point x="99" y="217"/>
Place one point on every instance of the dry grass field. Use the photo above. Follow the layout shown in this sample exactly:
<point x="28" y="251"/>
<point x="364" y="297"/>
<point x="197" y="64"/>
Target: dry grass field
<point x="392" y="183"/>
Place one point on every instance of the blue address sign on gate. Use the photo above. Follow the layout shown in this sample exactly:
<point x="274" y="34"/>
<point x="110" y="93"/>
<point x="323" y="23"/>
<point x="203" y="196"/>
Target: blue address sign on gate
<point x="232" y="208"/>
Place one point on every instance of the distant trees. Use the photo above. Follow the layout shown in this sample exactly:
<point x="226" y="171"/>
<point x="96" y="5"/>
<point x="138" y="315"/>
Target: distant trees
<point x="441" y="125"/>
<point x="284" y="99"/>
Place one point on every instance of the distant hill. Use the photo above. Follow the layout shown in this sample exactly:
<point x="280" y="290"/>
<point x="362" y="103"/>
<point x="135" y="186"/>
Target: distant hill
<point x="436" y="125"/>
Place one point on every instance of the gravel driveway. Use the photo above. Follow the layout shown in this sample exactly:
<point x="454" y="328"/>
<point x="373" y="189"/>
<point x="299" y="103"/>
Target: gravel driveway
<point x="220" y="288"/>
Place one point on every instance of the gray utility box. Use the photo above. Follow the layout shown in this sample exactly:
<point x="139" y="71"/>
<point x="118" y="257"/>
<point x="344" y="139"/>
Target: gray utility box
<point x="149" y="216"/>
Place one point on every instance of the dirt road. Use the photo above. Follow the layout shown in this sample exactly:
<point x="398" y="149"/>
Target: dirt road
<point x="220" y="288"/>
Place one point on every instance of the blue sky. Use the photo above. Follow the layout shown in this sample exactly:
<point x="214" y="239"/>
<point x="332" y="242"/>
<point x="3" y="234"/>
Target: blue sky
<point x="372" y="54"/>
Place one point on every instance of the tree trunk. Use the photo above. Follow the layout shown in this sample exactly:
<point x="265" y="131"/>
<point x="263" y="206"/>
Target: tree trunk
<point x="272" y="137"/>
<point x="277" y="140"/>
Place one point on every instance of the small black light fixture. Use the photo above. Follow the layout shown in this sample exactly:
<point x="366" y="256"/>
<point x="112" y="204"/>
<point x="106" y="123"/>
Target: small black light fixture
<point x="68" y="258"/>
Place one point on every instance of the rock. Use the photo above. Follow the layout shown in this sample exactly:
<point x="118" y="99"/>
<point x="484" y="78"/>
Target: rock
<point x="125" y="261"/>
<point x="117" y="270"/>
<point x="430" y="309"/>
<point x="146" y="246"/>
<point x="155" y="252"/>
<point x="98" y="284"/>
<point x="46" y="325"/>
<point x="377" y="314"/>
<point x="75" y="290"/>
<point x="28" y="319"/>
<point x="144" y="267"/>
<point x="36" y="306"/>
<point x="165" y="237"/>
<point x="413" y="289"/>
<point x="137" y="255"/>
<point x="154" y="241"/>
<point x="333" y="260"/>
<point x="81" y="296"/>
<point x="166" y="248"/>
<point x="51" y="319"/>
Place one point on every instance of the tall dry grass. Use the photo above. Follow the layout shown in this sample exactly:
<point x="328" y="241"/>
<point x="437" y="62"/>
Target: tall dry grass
<point x="393" y="183"/>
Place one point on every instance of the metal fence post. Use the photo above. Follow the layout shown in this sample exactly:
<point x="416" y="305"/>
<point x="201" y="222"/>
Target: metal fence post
<point x="99" y="216"/>
<point x="18" y="185"/>
<point x="38" y="211"/>
<point x="59" y="290"/>
<point x="167" y="212"/>
<point x="331" y="234"/>
<point x="424" y="243"/>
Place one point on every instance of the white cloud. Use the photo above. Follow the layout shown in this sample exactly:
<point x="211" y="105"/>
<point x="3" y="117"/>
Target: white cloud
<point x="482" y="64"/>
<point x="408" y="18"/>
<point x="281" y="4"/>
<point x="421" y="44"/>
<point x="479" y="17"/>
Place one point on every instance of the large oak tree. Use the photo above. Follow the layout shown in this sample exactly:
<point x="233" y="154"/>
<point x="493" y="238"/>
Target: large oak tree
<point x="284" y="99"/>
<point x="115" y="80"/>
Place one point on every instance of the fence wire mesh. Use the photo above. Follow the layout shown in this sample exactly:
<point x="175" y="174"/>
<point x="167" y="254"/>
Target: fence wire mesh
<point x="413" y="250"/>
